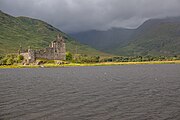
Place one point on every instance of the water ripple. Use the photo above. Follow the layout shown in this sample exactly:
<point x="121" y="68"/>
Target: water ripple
<point x="132" y="92"/>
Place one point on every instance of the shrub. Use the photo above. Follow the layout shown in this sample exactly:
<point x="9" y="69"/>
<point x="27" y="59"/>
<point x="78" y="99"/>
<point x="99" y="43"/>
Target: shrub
<point x="20" y="58"/>
<point x="68" y="56"/>
<point x="9" y="61"/>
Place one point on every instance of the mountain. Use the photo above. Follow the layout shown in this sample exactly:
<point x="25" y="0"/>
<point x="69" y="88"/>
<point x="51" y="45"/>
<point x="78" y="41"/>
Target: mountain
<point x="24" y="31"/>
<point x="105" y="40"/>
<point x="153" y="37"/>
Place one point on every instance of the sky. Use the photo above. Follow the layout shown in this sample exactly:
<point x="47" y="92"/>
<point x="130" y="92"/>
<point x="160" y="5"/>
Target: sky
<point x="81" y="15"/>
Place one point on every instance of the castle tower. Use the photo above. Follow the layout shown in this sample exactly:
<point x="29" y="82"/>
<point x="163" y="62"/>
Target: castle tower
<point x="59" y="48"/>
<point x="31" y="55"/>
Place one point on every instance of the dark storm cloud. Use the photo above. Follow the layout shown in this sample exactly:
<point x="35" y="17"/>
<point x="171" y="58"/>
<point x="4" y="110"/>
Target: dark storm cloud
<point x="80" y="15"/>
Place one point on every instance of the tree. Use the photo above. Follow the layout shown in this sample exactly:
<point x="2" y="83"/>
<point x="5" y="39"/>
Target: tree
<point x="10" y="61"/>
<point x="68" y="56"/>
<point x="20" y="58"/>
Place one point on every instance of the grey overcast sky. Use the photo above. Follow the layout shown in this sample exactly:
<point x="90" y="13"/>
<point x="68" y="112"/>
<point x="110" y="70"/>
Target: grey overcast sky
<point x="82" y="15"/>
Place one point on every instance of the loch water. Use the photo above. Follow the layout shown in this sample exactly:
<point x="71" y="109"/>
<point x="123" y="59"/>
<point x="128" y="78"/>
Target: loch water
<point x="126" y="92"/>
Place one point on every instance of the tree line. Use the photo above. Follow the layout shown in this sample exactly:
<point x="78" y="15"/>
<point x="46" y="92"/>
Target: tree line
<point x="140" y="58"/>
<point x="11" y="59"/>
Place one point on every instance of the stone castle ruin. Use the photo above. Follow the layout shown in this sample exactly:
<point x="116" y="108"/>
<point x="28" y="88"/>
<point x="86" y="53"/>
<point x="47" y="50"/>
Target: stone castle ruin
<point x="55" y="51"/>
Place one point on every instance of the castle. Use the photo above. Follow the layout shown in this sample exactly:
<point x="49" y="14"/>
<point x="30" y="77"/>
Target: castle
<point x="55" y="51"/>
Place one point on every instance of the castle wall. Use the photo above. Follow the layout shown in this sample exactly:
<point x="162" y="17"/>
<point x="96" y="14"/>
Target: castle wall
<point x="26" y="56"/>
<point x="50" y="54"/>
<point x="56" y="51"/>
<point x="47" y="53"/>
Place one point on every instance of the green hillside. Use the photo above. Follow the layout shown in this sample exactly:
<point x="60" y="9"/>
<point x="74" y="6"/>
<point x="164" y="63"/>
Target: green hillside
<point x="154" y="37"/>
<point x="24" y="31"/>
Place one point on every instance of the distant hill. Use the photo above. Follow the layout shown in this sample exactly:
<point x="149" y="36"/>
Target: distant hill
<point x="105" y="40"/>
<point x="24" y="31"/>
<point x="153" y="37"/>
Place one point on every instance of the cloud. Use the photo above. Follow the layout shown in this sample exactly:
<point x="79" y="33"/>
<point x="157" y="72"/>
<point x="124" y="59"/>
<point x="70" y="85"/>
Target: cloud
<point x="81" y="15"/>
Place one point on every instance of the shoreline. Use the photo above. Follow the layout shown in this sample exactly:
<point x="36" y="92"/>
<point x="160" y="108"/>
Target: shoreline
<point x="89" y="64"/>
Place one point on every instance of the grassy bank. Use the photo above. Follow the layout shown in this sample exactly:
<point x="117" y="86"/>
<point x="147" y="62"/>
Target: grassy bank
<point x="91" y="64"/>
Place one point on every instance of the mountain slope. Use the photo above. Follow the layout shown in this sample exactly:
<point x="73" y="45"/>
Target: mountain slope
<point x="24" y="31"/>
<point x="153" y="37"/>
<point x="105" y="40"/>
